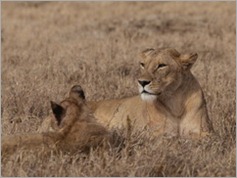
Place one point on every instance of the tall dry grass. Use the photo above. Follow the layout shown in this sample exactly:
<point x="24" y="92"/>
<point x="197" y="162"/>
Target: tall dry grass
<point x="47" y="47"/>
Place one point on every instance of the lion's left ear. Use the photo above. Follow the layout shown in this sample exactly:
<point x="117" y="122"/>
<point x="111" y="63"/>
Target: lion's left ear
<point x="58" y="111"/>
<point x="187" y="60"/>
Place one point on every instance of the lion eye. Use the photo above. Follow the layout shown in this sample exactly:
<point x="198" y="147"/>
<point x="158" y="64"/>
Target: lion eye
<point x="161" y="65"/>
<point x="142" y="64"/>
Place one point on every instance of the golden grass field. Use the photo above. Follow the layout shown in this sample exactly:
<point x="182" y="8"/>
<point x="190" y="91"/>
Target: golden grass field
<point x="48" y="47"/>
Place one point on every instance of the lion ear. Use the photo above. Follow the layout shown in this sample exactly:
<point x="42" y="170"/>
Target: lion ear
<point x="187" y="60"/>
<point x="77" y="89"/>
<point x="146" y="52"/>
<point x="58" y="111"/>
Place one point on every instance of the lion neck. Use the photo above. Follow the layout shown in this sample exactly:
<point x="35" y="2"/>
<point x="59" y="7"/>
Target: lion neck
<point x="174" y="102"/>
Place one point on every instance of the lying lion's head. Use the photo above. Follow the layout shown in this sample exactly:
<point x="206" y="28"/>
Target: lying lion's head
<point x="163" y="71"/>
<point x="69" y="110"/>
<point x="74" y="124"/>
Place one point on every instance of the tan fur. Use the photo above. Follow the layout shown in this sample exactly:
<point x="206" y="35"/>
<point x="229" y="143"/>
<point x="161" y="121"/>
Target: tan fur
<point x="77" y="129"/>
<point x="175" y="104"/>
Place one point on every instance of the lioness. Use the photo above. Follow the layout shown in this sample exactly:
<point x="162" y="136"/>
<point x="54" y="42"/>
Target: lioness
<point x="171" y="100"/>
<point x="72" y="127"/>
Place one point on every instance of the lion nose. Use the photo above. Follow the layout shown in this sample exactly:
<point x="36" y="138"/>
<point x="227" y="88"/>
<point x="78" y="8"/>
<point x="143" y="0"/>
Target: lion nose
<point x="144" y="82"/>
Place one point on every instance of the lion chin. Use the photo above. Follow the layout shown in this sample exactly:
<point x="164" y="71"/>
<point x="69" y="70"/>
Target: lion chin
<point x="148" y="97"/>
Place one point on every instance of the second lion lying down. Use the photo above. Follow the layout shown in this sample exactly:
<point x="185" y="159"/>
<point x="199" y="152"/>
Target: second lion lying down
<point x="71" y="127"/>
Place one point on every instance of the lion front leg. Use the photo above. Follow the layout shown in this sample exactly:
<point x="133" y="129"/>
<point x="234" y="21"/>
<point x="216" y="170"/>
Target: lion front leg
<point x="196" y="124"/>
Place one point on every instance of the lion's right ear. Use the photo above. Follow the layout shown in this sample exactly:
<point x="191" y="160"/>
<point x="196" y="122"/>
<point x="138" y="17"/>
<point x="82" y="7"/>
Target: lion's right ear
<point x="58" y="111"/>
<point x="146" y="52"/>
<point x="187" y="60"/>
<point x="77" y="89"/>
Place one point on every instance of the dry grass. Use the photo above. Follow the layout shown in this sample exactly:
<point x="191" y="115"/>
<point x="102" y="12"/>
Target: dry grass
<point x="48" y="47"/>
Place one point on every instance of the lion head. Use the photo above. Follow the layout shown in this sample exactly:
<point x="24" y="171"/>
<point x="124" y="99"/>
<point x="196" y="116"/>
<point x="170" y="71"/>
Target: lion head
<point x="72" y="124"/>
<point x="71" y="110"/>
<point x="162" y="72"/>
<point x="75" y="125"/>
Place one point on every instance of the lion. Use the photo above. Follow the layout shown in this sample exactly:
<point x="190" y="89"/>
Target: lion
<point x="170" y="100"/>
<point x="72" y="127"/>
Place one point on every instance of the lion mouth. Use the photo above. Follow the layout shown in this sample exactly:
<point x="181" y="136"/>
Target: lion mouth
<point x="146" y="92"/>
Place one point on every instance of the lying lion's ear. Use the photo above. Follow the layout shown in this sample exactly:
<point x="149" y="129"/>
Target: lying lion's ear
<point x="146" y="52"/>
<point x="58" y="111"/>
<point x="77" y="89"/>
<point x="187" y="60"/>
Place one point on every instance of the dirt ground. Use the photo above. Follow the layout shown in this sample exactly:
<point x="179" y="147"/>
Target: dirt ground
<point x="49" y="46"/>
